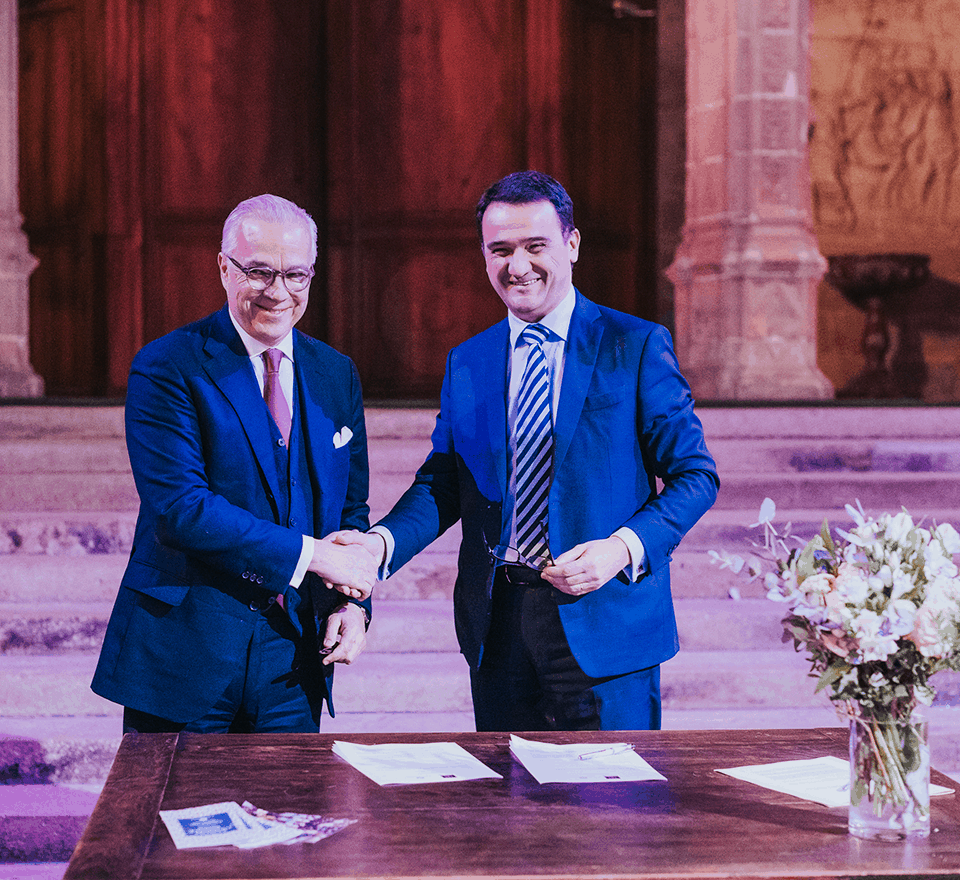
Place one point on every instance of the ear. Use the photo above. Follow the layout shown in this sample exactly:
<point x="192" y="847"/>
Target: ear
<point x="573" y="242"/>
<point x="224" y="265"/>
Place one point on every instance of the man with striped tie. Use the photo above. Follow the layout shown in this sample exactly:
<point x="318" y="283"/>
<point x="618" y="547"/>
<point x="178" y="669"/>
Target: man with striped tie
<point x="554" y="426"/>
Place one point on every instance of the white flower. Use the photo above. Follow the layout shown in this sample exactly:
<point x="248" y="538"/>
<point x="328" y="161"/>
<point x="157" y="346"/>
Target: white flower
<point x="902" y="584"/>
<point x="725" y="560"/>
<point x="899" y="527"/>
<point x="935" y="562"/>
<point x="851" y="584"/>
<point x="817" y="583"/>
<point x="934" y="626"/>
<point x="875" y="644"/>
<point x="781" y="588"/>
<point x="948" y="537"/>
<point x="768" y="510"/>
<point x="899" y="618"/>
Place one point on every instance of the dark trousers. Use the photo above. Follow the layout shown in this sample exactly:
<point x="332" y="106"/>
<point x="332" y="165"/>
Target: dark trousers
<point x="529" y="679"/>
<point x="278" y="690"/>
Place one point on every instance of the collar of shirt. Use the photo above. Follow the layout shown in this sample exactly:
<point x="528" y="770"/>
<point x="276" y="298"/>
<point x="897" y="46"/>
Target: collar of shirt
<point x="557" y="321"/>
<point x="255" y="350"/>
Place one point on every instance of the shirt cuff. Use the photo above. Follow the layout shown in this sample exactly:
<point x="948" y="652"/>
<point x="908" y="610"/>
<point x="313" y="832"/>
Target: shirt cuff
<point x="387" y="536"/>
<point x="636" y="568"/>
<point x="306" y="554"/>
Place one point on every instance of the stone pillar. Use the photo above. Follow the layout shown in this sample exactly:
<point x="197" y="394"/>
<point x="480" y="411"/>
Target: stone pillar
<point x="17" y="378"/>
<point x="747" y="270"/>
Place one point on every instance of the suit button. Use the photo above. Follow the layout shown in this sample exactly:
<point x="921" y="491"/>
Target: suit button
<point x="260" y="579"/>
<point x="245" y="575"/>
<point x="280" y="442"/>
<point x="254" y="606"/>
<point x="293" y="521"/>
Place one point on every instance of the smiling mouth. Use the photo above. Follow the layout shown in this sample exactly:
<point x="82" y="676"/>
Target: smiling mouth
<point x="526" y="283"/>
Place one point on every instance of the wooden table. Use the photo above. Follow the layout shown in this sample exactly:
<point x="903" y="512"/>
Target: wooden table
<point x="699" y="823"/>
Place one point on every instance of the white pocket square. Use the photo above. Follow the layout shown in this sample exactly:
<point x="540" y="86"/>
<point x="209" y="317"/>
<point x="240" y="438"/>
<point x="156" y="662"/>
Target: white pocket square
<point x="342" y="437"/>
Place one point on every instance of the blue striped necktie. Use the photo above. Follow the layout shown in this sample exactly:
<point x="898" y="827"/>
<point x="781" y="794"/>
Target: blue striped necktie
<point x="534" y="443"/>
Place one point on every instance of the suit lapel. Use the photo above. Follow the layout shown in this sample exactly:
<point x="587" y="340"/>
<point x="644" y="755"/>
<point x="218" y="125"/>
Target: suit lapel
<point x="229" y="367"/>
<point x="583" y="346"/>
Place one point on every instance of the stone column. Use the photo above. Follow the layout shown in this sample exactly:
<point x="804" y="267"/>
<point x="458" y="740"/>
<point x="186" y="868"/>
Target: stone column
<point x="17" y="378"/>
<point x="747" y="270"/>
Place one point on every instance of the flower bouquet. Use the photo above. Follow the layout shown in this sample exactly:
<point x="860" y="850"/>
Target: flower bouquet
<point x="878" y="610"/>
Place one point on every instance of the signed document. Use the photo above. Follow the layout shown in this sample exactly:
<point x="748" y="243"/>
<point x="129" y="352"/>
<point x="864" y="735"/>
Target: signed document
<point x="412" y="763"/>
<point x="821" y="780"/>
<point x="582" y="762"/>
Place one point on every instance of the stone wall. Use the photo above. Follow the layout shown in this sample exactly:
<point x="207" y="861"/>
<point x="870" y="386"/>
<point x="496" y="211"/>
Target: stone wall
<point x="885" y="165"/>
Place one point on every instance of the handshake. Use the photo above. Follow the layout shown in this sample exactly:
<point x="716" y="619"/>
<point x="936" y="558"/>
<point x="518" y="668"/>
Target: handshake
<point x="349" y="561"/>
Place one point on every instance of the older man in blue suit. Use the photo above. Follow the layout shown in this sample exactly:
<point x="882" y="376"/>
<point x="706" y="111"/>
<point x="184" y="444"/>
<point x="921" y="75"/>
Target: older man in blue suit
<point x="248" y="446"/>
<point x="554" y="427"/>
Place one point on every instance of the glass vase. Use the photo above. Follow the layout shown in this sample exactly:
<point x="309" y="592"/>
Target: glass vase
<point x="889" y="776"/>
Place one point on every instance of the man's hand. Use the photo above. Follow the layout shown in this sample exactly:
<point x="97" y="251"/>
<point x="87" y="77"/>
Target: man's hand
<point x="373" y="542"/>
<point x="345" y="636"/>
<point x="587" y="567"/>
<point x="349" y="569"/>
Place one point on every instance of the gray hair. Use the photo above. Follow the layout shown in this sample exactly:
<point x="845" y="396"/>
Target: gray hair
<point x="270" y="208"/>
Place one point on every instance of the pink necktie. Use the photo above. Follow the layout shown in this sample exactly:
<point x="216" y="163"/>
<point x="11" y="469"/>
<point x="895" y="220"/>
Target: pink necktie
<point x="273" y="393"/>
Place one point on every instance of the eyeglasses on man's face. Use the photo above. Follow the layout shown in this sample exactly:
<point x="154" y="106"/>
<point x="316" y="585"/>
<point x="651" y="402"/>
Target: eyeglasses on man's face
<point x="261" y="277"/>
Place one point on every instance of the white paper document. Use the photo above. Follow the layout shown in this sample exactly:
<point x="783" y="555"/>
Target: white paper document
<point x="822" y="780"/>
<point x="582" y="762"/>
<point x="412" y="763"/>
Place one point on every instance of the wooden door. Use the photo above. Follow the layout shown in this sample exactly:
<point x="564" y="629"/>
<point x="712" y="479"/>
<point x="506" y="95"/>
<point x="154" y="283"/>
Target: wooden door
<point x="61" y="192"/>
<point x="420" y="123"/>
<point x="142" y="125"/>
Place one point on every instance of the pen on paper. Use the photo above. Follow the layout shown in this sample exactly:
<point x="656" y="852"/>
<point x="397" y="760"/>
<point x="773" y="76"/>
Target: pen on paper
<point x="602" y="753"/>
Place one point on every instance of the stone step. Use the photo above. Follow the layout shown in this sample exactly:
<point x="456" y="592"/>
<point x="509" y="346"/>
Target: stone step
<point x="56" y="685"/>
<point x="922" y="492"/>
<point x="828" y="455"/>
<point x="398" y="626"/>
<point x="821" y="421"/>
<point x="57" y="750"/>
<point x="48" y="581"/>
<point x="42" y="823"/>
<point x="403" y="455"/>
<point x="77" y="533"/>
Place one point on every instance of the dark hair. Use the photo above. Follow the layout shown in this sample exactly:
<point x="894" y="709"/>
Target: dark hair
<point x="524" y="187"/>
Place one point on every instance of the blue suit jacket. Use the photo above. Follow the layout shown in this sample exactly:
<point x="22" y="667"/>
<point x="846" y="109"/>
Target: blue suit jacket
<point x="625" y="418"/>
<point x="209" y="532"/>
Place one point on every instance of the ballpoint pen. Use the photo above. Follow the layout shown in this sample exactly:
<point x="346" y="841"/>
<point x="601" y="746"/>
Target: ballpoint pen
<point x="611" y="750"/>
